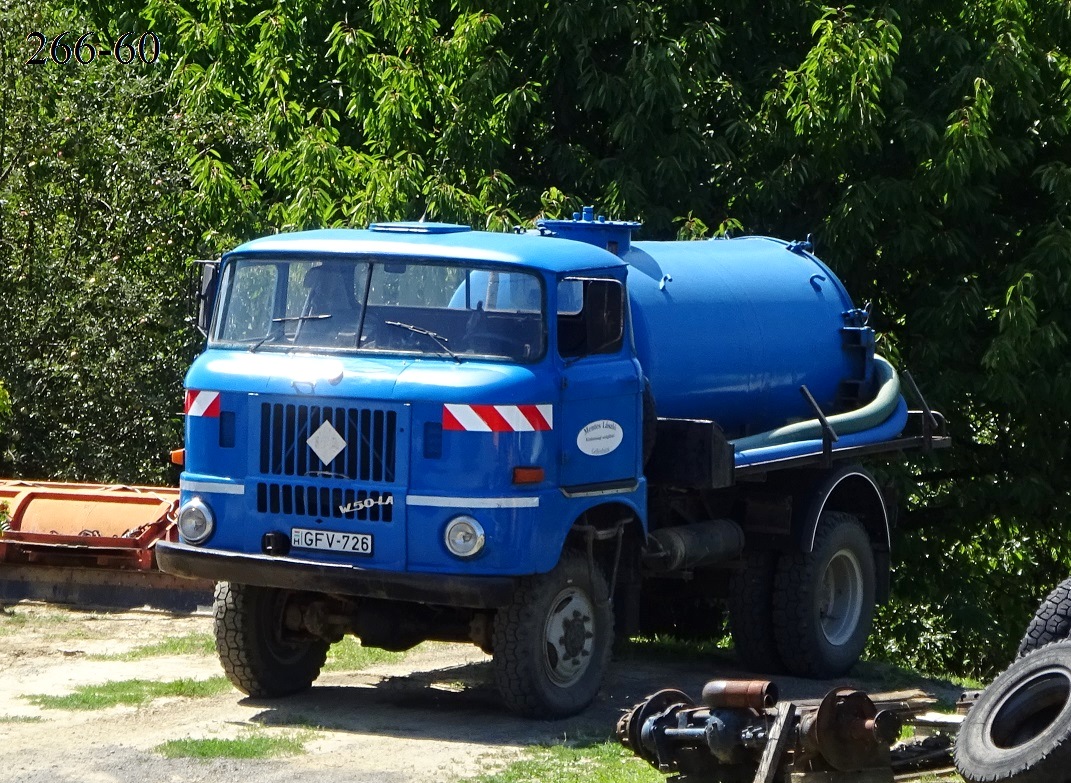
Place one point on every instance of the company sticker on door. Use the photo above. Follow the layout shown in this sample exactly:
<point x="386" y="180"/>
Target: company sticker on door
<point x="600" y="437"/>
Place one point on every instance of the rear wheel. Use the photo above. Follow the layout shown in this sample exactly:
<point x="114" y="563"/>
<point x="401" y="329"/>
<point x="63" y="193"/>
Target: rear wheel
<point x="751" y="613"/>
<point x="552" y="642"/>
<point x="1051" y="622"/>
<point x="824" y="599"/>
<point x="260" y="655"/>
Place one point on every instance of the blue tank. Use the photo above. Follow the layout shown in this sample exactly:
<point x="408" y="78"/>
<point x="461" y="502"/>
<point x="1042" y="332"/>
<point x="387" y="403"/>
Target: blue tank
<point x="730" y="329"/>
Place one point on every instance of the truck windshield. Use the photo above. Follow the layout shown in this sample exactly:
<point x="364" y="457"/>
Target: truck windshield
<point x="382" y="306"/>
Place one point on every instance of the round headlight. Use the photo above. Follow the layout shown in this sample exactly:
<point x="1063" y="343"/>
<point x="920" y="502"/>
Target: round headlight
<point x="195" y="521"/>
<point x="464" y="536"/>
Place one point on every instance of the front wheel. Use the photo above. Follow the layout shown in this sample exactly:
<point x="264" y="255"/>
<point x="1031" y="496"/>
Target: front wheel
<point x="823" y="600"/>
<point x="260" y="655"/>
<point x="552" y="641"/>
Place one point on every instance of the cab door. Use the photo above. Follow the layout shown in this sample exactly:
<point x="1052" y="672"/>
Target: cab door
<point x="601" y="395"/>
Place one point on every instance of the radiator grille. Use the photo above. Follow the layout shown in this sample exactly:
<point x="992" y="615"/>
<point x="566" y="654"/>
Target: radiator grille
<point x="370" y="452"/>
<point x="334" y="502"/>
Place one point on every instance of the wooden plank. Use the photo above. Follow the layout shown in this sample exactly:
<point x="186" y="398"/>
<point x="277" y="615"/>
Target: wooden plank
<point x="777" y="743"/>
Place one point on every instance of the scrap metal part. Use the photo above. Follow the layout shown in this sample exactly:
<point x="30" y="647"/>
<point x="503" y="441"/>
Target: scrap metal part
<point x="726" y="739"/>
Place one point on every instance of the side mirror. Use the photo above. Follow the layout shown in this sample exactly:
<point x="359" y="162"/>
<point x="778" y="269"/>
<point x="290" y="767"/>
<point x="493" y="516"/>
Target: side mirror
<point x="205" y="297"/>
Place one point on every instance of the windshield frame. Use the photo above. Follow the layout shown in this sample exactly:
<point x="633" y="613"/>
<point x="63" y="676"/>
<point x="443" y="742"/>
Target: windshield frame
<point x="431" y="348"/>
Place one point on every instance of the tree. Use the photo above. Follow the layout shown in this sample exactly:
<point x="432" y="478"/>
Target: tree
<point x="924" y="145"/>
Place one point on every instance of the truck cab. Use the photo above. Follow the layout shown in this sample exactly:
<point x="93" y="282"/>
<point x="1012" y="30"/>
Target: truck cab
<point x="407" y="433"/>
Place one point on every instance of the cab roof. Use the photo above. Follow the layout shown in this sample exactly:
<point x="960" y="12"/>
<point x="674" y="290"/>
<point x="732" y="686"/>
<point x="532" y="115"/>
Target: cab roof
<point x="439" y="241"/>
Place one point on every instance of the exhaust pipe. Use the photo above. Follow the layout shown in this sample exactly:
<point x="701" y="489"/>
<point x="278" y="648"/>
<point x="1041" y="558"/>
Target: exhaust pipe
<point x="693" y="546"/>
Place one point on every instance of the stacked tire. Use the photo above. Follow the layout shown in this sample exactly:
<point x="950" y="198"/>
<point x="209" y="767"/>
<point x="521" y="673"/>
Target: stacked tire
<point x="1019" y="730"/>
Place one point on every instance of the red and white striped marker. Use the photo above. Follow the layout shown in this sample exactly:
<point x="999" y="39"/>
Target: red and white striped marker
<point x="498" y="418"/>
<point x="202" y="403"/>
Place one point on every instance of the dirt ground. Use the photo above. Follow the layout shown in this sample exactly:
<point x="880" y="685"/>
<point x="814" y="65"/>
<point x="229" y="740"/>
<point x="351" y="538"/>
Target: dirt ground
<point x="434" y="716"/>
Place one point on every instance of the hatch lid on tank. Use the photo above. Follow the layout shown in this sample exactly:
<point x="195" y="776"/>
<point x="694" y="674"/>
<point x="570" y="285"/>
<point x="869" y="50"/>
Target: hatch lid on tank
<point x="612" y="235"/>
<point x="419" y="227"/>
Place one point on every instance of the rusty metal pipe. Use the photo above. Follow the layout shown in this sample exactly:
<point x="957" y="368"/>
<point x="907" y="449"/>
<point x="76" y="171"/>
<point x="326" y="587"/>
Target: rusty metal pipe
<point x="740" y="694"/>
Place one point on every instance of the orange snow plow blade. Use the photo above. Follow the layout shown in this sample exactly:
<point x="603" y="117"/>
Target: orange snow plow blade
<point x="65" y="542"/>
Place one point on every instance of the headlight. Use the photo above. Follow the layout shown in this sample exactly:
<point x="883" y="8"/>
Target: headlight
<point x="464" y="536"/>
<point x="195" y="521"/>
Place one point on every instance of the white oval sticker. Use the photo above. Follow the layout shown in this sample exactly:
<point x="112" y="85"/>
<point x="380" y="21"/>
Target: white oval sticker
<point x="600" y="437"/>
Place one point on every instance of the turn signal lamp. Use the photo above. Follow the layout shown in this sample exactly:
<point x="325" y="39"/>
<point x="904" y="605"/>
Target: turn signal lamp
<point x="528" y="475"/>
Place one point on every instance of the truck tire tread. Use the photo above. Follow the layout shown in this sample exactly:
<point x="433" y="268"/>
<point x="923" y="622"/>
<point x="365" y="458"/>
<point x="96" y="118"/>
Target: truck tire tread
<point x="804" y="650"/>
<point x="518" y="640"/>
<point x="750" y="606"/>
<point x="1051" y="622"/>
<point x="1018" y="728"/>
<point x="250" y="658"/>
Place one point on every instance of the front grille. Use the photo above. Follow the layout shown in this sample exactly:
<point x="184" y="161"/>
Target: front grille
<point x="370" y="452"/>
<point x="334" y="502"/>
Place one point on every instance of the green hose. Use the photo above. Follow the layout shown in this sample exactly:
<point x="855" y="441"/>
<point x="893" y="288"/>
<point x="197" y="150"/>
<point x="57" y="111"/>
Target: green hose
<point x="870" y="415"/>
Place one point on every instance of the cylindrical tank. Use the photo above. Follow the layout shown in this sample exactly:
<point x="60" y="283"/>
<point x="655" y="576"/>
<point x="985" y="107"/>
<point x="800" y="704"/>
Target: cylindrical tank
<point x="729" y="329"/>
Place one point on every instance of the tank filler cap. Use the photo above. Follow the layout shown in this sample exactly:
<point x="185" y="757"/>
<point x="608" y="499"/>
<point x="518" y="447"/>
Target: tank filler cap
<point x="586" y="226"/>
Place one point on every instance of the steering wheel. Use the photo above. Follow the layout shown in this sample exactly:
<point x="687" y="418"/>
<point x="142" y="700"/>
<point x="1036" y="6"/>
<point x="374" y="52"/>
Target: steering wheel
<point x="497" y="343"/>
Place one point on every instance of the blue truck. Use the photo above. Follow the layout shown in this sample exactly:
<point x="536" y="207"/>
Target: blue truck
<point x="535" y="441"/>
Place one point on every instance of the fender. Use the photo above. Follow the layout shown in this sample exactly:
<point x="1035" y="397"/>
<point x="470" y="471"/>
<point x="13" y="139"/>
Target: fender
<point x="854" y="489"/>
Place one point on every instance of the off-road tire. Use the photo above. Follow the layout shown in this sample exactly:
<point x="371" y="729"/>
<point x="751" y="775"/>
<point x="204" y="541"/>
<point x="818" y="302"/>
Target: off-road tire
<point x="821" y="629"/>
<point x="1051" y="622"/>
<point x="259" y="657"/>
<point x="533" y="679"/>
<point x="1020" y="727"/>
<point x="750" y="605"/>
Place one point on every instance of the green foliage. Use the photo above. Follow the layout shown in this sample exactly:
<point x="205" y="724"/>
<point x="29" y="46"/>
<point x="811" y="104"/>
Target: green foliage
<point x="251" y="745"/>
<point x="349" y="656"/>
<point x="596" y="761"/>
<point x="130" y="692"/>
<point x="202" y="644"/>
<point x="926" y="146"/>
<point x="95" y="243"/>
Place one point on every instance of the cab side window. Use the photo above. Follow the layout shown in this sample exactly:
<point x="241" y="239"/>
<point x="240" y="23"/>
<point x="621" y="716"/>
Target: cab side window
<point x="591" y="317"/>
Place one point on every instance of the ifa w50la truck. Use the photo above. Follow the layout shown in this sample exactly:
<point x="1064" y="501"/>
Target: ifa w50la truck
<point x="535" y="442"/>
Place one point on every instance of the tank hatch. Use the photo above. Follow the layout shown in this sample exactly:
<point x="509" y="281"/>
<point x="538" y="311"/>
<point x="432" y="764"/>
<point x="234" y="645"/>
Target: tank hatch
<point x="612" y="235"/>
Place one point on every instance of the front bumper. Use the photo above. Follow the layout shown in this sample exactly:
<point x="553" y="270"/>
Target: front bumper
<point x="476" y="592"/>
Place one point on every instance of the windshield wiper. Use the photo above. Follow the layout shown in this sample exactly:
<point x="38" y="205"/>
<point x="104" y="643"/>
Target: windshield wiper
<point x="292" y="318"/>
<point x="438" y="338"/>
<point x="273" y="336"/>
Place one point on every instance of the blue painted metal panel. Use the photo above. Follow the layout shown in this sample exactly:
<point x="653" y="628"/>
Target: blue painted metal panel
<point x="531" y="250"/>
<point x="730" y="329"/>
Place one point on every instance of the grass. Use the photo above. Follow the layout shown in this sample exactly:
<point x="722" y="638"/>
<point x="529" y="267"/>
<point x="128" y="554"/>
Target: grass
<point x="129" y="692"/>
<point x="665" y="647"/>
<point x="348" y="655"/>
<point x="600" y="761"/>
<point x="188" y="644"/>
<point x="20" y="719"/>
<point x="254" y="745"/>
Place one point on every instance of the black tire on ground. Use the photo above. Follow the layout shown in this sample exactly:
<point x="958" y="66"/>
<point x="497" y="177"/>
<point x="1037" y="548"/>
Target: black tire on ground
<point x="552" y="641"/>
<point x="1020" y="727"/>
<point x="259" y="656"/>
<point x="823" y="600"/>
<point x="750" y="605"/>
<point x="1051" y="622"/>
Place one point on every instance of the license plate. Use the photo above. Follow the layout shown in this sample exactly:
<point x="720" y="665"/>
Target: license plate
<point x="331" y="540"/>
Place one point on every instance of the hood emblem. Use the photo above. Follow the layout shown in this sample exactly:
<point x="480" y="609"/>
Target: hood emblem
<point x="326" y="443"/>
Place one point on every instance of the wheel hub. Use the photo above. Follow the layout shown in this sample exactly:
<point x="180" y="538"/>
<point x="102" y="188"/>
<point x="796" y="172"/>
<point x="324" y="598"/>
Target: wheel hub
<point x="568" y="637"/>
<point x="841" y="597"/>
